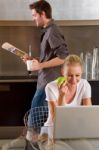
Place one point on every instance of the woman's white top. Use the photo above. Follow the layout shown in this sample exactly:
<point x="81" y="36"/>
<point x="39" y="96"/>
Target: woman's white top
<point x="52" y="93"/>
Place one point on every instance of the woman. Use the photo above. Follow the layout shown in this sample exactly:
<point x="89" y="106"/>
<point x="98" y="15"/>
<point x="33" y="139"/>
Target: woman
<point x="74" y="91"/>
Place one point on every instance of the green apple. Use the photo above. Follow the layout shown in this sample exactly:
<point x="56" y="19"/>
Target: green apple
<point x="61" y="80"/>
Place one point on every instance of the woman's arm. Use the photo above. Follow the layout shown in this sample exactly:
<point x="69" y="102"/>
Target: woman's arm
<point x="87" y="101"/>
<point x="51" y="106"/>
<point x="62" y="94"/>
<point x="61" y="100"/>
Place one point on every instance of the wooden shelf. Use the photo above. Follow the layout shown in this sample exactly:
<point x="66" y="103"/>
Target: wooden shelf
<point x="58" y="22"/>
<point x="77" y="22"/>
<point x="16" y="23"/>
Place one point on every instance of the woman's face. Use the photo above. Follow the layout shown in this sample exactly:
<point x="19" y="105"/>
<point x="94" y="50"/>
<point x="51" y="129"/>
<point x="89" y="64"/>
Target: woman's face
<point x="73" y="72"/>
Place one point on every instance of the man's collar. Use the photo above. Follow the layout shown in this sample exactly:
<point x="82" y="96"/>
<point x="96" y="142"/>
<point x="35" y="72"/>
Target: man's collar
<point x="50" y="23"/>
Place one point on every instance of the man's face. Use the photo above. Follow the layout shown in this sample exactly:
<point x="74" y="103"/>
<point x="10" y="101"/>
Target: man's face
<point x="38" y="18"/>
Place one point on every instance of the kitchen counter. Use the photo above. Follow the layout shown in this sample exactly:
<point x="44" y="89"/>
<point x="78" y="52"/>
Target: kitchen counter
<point x="7" y="79"/>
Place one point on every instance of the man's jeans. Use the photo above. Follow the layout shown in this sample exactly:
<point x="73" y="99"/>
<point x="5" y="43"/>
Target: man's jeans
<point x="39" y="98"/>
<point x="38" y="113"/>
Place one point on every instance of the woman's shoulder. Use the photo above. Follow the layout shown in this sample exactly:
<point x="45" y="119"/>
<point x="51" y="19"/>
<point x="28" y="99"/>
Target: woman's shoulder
<point x="51" y="84"/>
<point x="84" y="82"/>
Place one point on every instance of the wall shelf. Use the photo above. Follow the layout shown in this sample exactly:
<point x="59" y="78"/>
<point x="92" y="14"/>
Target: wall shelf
<point x="16" y="23"/>
<point x="58" y="22"/>
<point x="77" y="22"/>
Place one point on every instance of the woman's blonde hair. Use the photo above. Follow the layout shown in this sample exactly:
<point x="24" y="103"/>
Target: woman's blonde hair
<point x="72" y="60"/>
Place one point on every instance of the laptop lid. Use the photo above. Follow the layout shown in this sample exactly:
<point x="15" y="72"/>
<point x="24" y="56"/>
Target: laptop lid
<point x="76" y="122"/>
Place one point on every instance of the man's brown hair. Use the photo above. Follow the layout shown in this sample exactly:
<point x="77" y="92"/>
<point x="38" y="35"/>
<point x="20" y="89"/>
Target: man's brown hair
<point x="41" y="6"/>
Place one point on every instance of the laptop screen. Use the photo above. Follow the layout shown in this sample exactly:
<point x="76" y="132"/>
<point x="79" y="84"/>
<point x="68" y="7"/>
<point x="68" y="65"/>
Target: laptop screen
<point x="76" y="122"/>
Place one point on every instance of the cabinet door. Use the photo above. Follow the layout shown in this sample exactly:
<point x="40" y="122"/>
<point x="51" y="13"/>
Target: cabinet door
<point x="95" y="92"/>
<point x="15" y="100"/>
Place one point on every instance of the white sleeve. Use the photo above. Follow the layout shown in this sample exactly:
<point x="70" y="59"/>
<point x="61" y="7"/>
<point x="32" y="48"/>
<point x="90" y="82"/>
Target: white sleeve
<point x="51" y="92"/>
<point x="87" y="90"/>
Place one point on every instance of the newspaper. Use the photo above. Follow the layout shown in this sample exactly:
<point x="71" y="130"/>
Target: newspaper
<point x="9" y="47"/>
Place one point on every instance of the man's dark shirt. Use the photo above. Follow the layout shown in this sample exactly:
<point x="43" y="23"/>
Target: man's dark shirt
<point x="52" y="45"/>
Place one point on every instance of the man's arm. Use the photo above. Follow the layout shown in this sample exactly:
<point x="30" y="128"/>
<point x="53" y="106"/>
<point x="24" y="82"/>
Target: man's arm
<point x="51" y="63"/>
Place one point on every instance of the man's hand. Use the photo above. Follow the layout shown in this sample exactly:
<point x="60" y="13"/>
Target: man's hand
<point x="25" y="58"/>
<point x="36" y="65"/>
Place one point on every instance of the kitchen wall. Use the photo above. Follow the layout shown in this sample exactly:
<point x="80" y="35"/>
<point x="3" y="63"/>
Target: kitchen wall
<point x="62" y="9"/>
<point x="21" y="37"/>
<point x="81" y="38"/>
<point x="78" y="39"/>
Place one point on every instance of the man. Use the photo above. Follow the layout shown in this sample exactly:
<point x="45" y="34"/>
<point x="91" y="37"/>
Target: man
<point x="53" y="50"/>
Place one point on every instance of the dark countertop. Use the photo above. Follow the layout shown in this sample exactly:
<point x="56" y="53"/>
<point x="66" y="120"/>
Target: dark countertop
<point x="24" y="78"/>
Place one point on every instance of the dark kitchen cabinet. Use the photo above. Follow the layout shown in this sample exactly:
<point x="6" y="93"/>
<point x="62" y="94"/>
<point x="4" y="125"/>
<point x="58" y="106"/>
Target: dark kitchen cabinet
<point x="15" y="100"/>
<point x="95" y="92"/>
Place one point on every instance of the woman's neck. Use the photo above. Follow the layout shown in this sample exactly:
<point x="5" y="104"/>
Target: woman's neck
<point x="72" y="86"/>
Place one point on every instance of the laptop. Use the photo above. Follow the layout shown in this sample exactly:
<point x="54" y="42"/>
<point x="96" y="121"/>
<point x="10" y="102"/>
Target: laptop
<point x="76" y="122"/>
